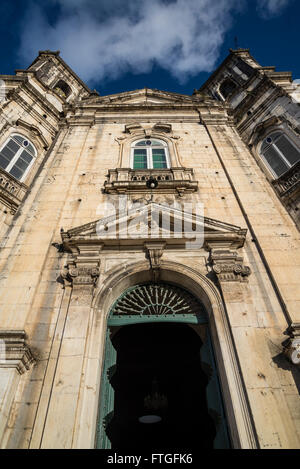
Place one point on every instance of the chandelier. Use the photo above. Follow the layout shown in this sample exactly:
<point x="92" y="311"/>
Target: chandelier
<point x="155" y="405"/>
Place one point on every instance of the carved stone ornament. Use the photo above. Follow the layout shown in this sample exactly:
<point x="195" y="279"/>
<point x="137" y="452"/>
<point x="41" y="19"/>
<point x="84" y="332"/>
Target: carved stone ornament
<point x="80" y="275"/>
<point x="154" y="252"/>
<point x="82" y="267"/>
<point x="14" y="352"/>
<point x="228" y="265"/>
<point x="292" y="348"/>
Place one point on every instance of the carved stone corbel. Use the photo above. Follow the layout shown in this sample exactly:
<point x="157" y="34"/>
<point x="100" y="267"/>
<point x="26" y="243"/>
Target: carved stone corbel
<point x="14" y="352"/>
<point x="154" y="252"/>
<point x="292" y="347"/>
<point x="228" y="265"/>
<point x="83" y="266"/>
<point x="80" y="274"/>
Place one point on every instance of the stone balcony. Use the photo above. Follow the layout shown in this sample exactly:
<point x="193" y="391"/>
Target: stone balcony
<point x="12" y="191"/>
<point x="288" y="185"/>
<point x="172" y="180"/>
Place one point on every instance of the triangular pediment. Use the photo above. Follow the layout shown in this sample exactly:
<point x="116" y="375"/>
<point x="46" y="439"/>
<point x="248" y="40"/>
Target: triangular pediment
<point x="145" y="96"/>
<point x="153" y="221"/>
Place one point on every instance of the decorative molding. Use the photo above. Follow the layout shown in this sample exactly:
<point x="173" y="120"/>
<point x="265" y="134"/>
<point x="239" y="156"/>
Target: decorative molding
<point x="34" y="130"/>
<point x="82" y="267"/>
<point x="14" y="352"/>
<point x="261" y="128"/>
<point x="161" y="299"/>
<point x="118" y="230"/>
<point x="12" y="191"/>
<point x="133" y="128"/>
<point x="136" y="127"/>
<point x="83" y="275"/>
<point x="123" y="180"/>
<point x="237" y="407"/>
<point x="292" y="347"/>
<point x="162" y="128"/>
<point x="228" y="265"/>
<point x="288" y="185"/>
<point x="154" y="252"/>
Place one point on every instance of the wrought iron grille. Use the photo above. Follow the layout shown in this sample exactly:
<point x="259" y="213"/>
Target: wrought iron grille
<point x="157" y="299"/>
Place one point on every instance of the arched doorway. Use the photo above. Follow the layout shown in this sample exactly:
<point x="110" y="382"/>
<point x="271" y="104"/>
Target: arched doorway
<point x="159" y="386"/>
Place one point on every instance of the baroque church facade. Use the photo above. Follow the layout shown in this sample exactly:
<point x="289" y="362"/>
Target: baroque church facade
<point x="150" y="261"/>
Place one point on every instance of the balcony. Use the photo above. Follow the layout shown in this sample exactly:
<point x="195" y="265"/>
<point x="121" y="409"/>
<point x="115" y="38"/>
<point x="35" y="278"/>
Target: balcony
<point x="287" y="186"/>
<point x="12" y="191"/>
<point x="173" y="180"/>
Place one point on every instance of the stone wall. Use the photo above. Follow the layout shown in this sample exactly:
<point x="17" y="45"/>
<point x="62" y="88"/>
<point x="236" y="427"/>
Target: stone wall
<point x="54" y="404"/>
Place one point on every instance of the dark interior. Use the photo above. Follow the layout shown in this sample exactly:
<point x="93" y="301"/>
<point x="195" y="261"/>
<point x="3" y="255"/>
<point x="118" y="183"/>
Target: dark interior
<point x="161" y="358"/>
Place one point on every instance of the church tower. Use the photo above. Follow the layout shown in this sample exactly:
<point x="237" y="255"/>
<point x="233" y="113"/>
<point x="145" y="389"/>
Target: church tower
<point x="149" y="258"/>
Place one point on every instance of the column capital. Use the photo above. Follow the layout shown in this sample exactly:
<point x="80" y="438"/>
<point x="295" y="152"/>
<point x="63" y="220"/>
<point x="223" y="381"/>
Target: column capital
<point x="228" y="265"/>
<point x="82" y="267"/>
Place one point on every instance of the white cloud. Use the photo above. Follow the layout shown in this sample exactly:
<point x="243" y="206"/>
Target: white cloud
<point x="269" y="8"/>
<point x="103" y="39"/>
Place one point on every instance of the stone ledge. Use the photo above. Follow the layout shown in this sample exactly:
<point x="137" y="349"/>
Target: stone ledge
<point x="122" y="180"/>
<point x="14" y="352"/>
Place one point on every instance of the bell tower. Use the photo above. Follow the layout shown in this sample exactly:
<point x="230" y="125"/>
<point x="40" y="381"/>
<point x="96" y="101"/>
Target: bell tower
<point x="50" y="69"/>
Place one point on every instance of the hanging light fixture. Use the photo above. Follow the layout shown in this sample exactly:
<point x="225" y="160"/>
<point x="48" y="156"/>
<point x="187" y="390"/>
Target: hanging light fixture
<point x="155" y="403"/>
<point x="152" y="183"/>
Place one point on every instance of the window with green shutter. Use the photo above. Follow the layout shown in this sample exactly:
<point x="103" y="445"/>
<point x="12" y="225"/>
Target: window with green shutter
<point x="150" y="154"/>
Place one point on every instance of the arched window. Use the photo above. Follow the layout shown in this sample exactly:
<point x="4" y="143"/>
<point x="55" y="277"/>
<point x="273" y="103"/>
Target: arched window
<point x="16" y="156"/>
<point x="62" y="88"/>
<point x="279" y="153"/>
<point x="227" y="87"/>
<point x="149" y="154"/>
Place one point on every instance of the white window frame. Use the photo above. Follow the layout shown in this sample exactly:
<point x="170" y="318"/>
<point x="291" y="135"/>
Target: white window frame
<point x="149" y="153"/>
<point x="281" y="155"/>
<point x="17" y="155"/>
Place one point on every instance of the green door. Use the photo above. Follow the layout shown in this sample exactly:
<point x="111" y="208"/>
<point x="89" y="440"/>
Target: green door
<point x="106" y="394"/>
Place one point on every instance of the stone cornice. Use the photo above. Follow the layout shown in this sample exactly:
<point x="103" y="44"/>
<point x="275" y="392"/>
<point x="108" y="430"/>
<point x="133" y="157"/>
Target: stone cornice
<point x="113" y="232"/>
<point x="146" y="94"/>
<point x="171" y="113"/>
<point x="14" y="352"/>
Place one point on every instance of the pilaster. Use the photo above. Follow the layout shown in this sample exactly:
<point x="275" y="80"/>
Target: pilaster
<point x="15" y="359"/>
<point x="80" y="274"/>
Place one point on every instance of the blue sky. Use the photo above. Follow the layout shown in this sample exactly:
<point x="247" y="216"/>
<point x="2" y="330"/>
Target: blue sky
<point x="174" y="45"/>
